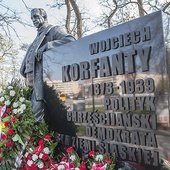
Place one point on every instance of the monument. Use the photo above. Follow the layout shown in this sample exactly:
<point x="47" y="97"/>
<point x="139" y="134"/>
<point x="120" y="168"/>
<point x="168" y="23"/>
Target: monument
<point x="122" y="74"/>
<point x="48" y="37"/>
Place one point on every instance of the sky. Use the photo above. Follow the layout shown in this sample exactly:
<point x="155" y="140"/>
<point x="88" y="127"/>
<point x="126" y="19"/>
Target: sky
<point x="55" y="16"/>
<point x="27" y="34"/>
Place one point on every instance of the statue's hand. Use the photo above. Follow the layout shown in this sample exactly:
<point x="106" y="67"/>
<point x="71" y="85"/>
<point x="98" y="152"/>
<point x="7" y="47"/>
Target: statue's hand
<point x="40" y="52"/>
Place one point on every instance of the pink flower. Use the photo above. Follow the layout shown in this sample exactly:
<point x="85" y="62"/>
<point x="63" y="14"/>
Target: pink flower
<point x="26" y="167"/>
<point x="108" y="160"/>
<point x="71" y="165"/>
<point x="44" y="168"/>
<point x="4" y="115"/>
<point x="34" y="167"/>
<point x="38" y="149"/>
<point x="8" y="110"/>
<point x="3" y="137"/>
<point x="41" y="142"/>
<point x="51" y="163"/>
<point x="99" y="166"/>
<point x="47" y="137"/>
<point x="6" y="124"/>
<point x="91" y="153"/>
<point x="82" y="167"/>
<point x="45" y="157"/>
<point x="64" y="159"/>
<point x="14" y="119"/>
<point x="69" y="150"/>
<point x="8" y="144"/>
<point x="29" y="156"/>
<point x="0" y="150"/>
<point x="1" y="159"/>
<point x="10" y="132"/>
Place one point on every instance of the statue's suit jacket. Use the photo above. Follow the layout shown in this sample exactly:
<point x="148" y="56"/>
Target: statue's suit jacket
<point x="51" y="36"/>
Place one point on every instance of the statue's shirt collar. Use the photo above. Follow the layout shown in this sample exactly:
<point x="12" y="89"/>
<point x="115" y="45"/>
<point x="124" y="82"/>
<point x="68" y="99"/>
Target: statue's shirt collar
<point x="42" y="28"/>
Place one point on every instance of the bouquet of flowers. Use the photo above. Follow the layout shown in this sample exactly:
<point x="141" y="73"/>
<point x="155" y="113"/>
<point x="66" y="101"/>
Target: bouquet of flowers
<point x="165" y="164"/>
<point x="98" y="161"/>
<point x="16" y="124"/>
<point x="24" y="143"/>
<point x="39" y="150"/>
<point x="94" y="161"/>
<point x="70" y="161"/>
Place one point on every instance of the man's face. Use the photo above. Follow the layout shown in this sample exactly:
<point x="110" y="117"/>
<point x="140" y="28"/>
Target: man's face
<point x="37" y="19"/>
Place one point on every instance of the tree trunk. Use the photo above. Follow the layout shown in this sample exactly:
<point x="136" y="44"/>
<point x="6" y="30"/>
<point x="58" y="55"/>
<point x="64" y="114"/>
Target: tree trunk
<point x="78" y="17"/>
<point x="140" y="8"/>
<point x="68" y="17"/>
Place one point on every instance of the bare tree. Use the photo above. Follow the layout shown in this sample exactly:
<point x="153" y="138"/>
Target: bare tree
<point x="74" y="22"/>
<point x="7" y="19"/>
<point x="115" y="12"/>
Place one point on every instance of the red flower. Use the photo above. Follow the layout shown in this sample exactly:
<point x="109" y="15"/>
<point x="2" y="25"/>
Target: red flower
<point x="108" y="160"/>
<point x="99" y="165"/>
<point x="34" y="167"/>
<point x="29" y="156"/>
<point x="41" y="142"/>
<point x="47" y="137"/>
<point x="10" y="132"/>
<point x="4" y="115"/>
<point x="69" y="150"/>
<point x="26" y="167"/>
<point x="6" y="124"/>
<point x="14" y="119"/>
<point x="168" y="159"/>
<point x="3" y="137"/>
<point x="44" y="168"/>
<point x="0" y="150"/>
<point x="71" y="165"/>
<point x="91" y="153"/>
<point x="82" y="167"/>
<point x="0" y="159"/>
<point x="64" y="158"/>
<point x="38" y="149"/>
<point x="8" y="110"/>
<point x="8" y="144"/>
<point x="45" y="157"/>
<point x="51" y="163"/>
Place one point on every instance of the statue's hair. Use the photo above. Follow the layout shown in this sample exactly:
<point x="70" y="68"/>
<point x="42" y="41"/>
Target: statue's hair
<point x="42" y="12"/>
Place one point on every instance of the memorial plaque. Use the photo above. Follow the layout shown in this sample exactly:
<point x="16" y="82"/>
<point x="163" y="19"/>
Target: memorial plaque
<point x="121" y="75"/>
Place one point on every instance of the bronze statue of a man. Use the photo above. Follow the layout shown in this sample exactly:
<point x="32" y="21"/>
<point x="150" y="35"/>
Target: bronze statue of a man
<point x="48" y="37"/>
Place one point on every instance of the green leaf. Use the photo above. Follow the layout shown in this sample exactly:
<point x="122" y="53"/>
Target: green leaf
<point x="17" y="138"/>
<point x="52" y="146"/>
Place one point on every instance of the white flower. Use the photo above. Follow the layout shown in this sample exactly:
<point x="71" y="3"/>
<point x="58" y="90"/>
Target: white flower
<point x="26" y="154"/>
<point x="41" y="155"/>
<point x="46" y="150"/>
<point x="12" y="93"/>
<point x="15" y="111"/>
<point x="15" y="104"/>
<point x="7" y="102"/>
<point x="1" y="90"/>
<point x="61" y="167"/>
<point x="29" y="162"/>
<point x="77" y="169"/>
<point x="2" y="99"/>
<point x="21" y="99"/>
<point x="23" y="107"/>
<point x="40" y="164"/>
<point x="31" y="150"/>
<point x="9" y="87"/>
<point x="99" y="158"/>
<point x="73" y="157"/>
<point x="20" y="110"/>
<point x="34" y="157"/>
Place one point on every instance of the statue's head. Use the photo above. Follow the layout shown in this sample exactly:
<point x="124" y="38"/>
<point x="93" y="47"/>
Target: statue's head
<point x="38" y="16"/>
